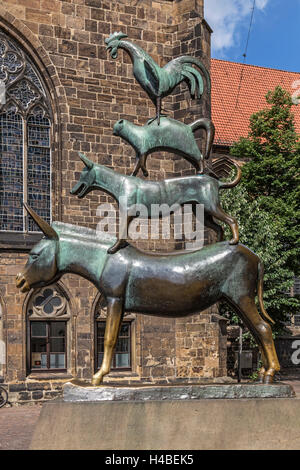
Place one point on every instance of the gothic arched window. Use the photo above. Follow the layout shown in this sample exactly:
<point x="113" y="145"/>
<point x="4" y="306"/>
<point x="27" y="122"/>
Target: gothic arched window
<point x="48" y="329"/>
<point x="25" y="124"/>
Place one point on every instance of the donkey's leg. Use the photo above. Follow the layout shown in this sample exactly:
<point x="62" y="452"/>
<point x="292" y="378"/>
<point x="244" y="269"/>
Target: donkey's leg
<point x="264" y="368"/>
<point x="231" y="221"/>
<point x="121" y="242"/>
<point x="112" y="328"/>
<point x="262" y="332"/>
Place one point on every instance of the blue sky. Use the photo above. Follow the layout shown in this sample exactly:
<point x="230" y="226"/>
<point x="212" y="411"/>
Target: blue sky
<point x="275" y="34"/>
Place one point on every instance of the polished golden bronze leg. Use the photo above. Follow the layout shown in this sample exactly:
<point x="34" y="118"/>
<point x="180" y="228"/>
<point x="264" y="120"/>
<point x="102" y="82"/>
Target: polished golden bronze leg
<point x="262" y="332"/>
<point x="113" y="323"/>
<point x="262" y="370"/>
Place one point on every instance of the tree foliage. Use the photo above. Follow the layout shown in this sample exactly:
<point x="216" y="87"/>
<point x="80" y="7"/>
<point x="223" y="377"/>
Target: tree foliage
<point x="266" y="202"/>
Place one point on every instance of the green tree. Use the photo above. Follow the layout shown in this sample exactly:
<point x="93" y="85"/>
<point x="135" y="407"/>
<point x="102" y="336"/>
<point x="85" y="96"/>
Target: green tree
<point x="266" y="202"/>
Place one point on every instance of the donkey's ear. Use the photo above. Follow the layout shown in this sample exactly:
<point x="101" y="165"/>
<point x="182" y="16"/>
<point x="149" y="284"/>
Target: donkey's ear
<point x="42" y="224"/>
<point x="88" y="163"/>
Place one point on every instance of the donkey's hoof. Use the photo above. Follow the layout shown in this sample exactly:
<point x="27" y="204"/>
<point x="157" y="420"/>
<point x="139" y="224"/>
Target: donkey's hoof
<point x="234" y="241"/>
<point x="96" y="382"/>
<point x="268" y="379"/>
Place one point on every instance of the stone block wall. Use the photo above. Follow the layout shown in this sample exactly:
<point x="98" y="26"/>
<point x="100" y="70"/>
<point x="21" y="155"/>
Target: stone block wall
<point x="89" y="92"/>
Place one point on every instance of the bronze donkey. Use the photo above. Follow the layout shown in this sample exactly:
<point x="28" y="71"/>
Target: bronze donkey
<point x="164" y="285"/>
<point x="196" y="189"/>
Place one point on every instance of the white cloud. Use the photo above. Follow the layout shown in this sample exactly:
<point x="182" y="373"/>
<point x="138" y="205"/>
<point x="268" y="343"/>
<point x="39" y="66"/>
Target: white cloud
<point x="225" y="17"/>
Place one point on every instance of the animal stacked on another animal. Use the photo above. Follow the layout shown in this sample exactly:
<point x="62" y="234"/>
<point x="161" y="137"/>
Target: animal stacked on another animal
<point x="159" y="82"/>
<point x="170" y="135"/>
<point x="150" y="284"/>
<point x="197" y="189"/>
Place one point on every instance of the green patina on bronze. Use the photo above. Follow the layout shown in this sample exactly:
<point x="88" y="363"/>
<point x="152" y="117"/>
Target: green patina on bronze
<point x="171" y="285"/>
<point x="166" y="285"/>
<point x="196" y="189"/>
<point x="159" y="82"/>
<point x="170" y="135"/>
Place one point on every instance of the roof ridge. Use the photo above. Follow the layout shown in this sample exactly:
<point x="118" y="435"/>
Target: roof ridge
<point x="254" y="66"/>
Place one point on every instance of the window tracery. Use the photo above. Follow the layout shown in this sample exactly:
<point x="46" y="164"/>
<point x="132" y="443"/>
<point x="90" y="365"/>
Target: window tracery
<point x="25" y="151"/>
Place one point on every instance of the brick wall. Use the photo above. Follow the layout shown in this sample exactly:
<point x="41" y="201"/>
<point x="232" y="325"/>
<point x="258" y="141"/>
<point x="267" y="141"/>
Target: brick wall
<point x="89" y="92"/>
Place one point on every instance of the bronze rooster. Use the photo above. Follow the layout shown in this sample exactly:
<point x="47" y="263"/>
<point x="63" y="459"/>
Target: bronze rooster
<point x="159" y="82"/>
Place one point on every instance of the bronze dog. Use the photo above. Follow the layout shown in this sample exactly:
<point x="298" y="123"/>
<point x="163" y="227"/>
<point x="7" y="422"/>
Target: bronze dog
<point x="198" y="189"/>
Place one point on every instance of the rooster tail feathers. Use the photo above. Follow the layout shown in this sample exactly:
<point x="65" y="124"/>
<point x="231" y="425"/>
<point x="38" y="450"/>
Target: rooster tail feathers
<point x="199" y="78"/>
<point x="190" y="77"/>
<point x="185" y="60"/>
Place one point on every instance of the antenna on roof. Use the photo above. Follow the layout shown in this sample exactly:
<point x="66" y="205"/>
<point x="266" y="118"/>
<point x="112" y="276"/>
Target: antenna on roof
<point x="245" y="53"/>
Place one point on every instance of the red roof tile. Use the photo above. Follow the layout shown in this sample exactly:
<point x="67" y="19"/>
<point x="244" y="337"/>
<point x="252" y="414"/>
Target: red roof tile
<point x="235" y="100"/>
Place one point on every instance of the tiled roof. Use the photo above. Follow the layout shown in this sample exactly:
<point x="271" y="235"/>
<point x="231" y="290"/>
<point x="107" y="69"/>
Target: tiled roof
<point x="235" y="100"/>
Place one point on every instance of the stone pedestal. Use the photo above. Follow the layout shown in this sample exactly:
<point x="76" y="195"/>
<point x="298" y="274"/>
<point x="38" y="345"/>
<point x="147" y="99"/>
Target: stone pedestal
<point x="76" y="392"/>
<point x="170" y="418"/>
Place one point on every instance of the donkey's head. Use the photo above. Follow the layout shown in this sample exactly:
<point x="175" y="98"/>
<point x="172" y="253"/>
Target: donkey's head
<point x="41" y="268"/>
<point x="87" y="178"/>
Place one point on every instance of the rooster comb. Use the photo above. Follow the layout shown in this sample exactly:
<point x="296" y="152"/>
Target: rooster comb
<point x="115" y="36"/>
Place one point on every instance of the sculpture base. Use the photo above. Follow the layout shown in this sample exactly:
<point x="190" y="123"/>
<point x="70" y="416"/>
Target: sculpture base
<point x="79" y="391"/>
<point x="189" y="424"/>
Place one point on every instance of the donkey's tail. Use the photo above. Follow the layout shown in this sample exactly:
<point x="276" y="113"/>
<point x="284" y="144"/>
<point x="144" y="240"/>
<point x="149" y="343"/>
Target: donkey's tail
<point x="260" y="292"/>
<point x="206" y="124"/>
<point x="233" y="183"/>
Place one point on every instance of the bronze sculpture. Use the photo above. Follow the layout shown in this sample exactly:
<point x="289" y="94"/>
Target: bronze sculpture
<point x="170" y="135"/>
<point x="133" y="281"/>
<point x="157" y="81"/>
<point x="130" y="280"/>
<point x="197" y="189"/>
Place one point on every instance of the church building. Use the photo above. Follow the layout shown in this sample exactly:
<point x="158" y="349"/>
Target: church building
<point x="63" y="95"/>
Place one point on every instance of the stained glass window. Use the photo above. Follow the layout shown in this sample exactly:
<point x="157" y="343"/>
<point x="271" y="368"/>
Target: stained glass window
<point x="25" y="155"/>
<point x="38" y="167"/>
<point x="11" y="172"/>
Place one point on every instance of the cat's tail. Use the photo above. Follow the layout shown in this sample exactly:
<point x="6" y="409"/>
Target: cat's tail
<point x="237" y="179"/>
<point x="208" y="126"/>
